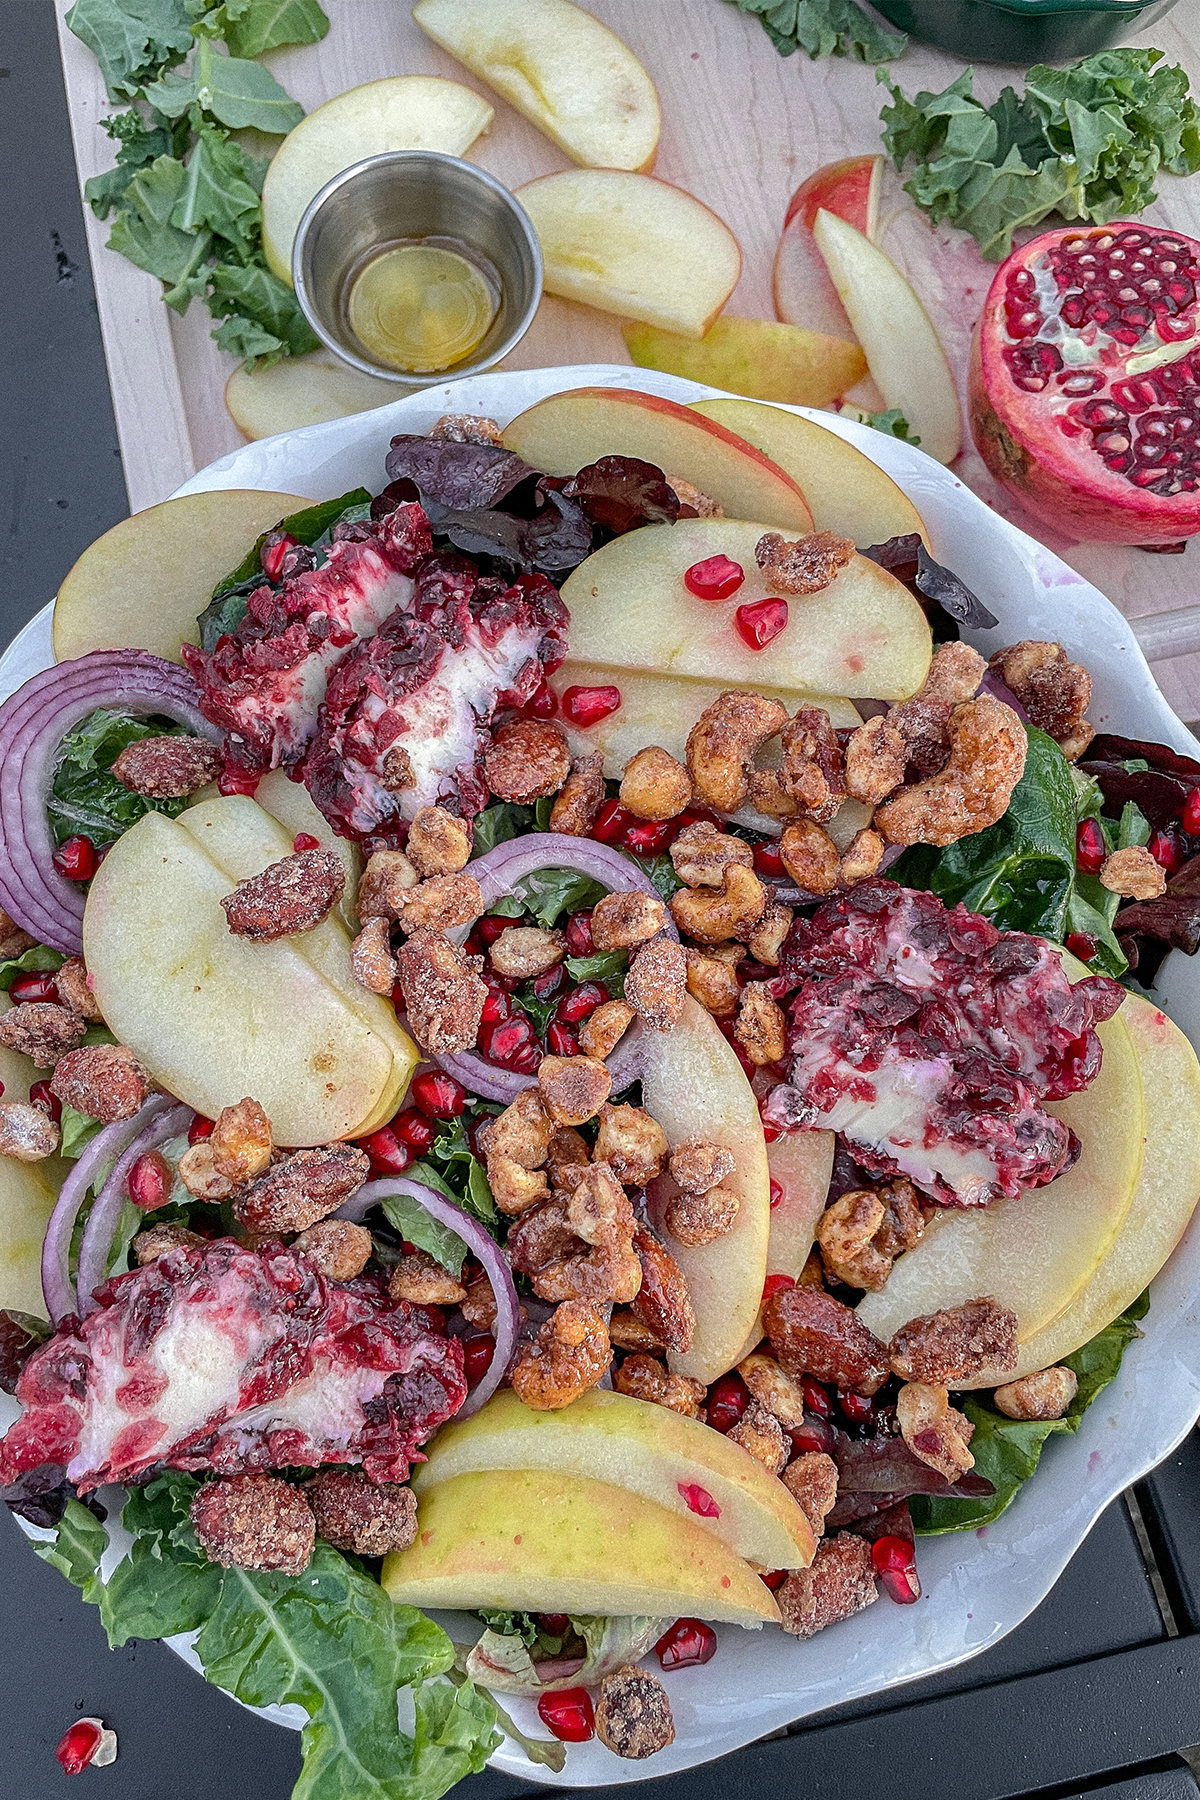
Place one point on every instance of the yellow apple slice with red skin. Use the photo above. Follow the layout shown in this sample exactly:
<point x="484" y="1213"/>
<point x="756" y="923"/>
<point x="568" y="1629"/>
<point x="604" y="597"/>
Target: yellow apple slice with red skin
<point x="804" y="293"/>
<point x="570" y="75"/>
<point x="143" y="585"/>
<point x="862" y="636"/>
<point x="562" y="434"/>
<point x="301" y="390"/>
<point x="800" y="1165"/>
<point x="28" y="1191"/>
<point x="846" y="491"/>
<point x="541" y="1541"/>
<point x="758" y="357"/>
<point x="630" y="1444"/>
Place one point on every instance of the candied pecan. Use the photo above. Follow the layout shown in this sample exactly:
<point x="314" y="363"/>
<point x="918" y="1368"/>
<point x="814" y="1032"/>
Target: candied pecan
<point x="541" y="1236"/>
<point x="1054" y="691"/>
<point x="73" y="989"/>
<point x="478" y="1307"/>
<point x="656" y="983"/>
<point x="632" y="1143"/>
<point x="711" y="980"/>
<point x="645" y="1378"/>
<point x="654" y="785"/>
<point x="443" y="994"/>
<point x="876" y="758"/>
<point x="306" y="1186"/>
<point x="371" y="959"/>
<point x="761" y="1028"/>
<point x="523" y="1131"/>
<point x="287" y="897"/>
<point x="41" y="1031"/>
<point x="383" y="885"/>
<point x="802" y="565"/>
<point x="200" y="1175"/>
<point x="420" y="1278"/>
<point x="690" y="496"/>
<point x="812" y="763"/>
<point x="696" y="1165"/>
<point x="846" y="1233"/>
<point x="600" y="1034"/>
<point x="862" y="859"/>
<point x="437" y="843"/>
<point x="396" y="770"/>
<point x="361" y="1516"/>
<point x="513" y="1186"/>
<point x="934" y="1430"/>
<point x="903" y="1222"/>
<point x="26" y="1132"/>
<point x="701" y="853"/>
<point x="467" y="428"/>
<point x="766" y="940"/>
<point x="1134" y="873"/>
<point x="810" y="856"/>
<point x="522" y="951"/>
<point x="13" y="940"/>
<point x="167" y="768"/>
<point x="952" y="1345"/>
<point x="839" y="1584"/>
<point x="573" y="1088"/>
<point x="105" y="1081"/>
<point x="569" y="1355"/>
<point x="580" y="797"/>
<point x="713" y="916"/>
<point x="339" y="1249"/>
<point x="526" y="760"/>
<point x="254" y="1522"/>
<point x="1044" y="1395"/>
<point x="812" y="1480"/>
<point x="608" y="1268"/>
<point x="441" y="902"/>
<point x="813" y="1334"/>
<point x="723" y="744"/>
<point x="696" y="1219"/>
<point x="633" y="1714"/>
<point x="566" y="1150"/>
<point x="619" y="921"/>
<point x="663" y="1302"/>
<point x="626" y="1332"/>
<point x="241" y="1142"/>
<point x="148" y="1246"/>
<point x="988" y="746"/>
<point x="773" y="1388"/>
<point x="761" y="1435"/>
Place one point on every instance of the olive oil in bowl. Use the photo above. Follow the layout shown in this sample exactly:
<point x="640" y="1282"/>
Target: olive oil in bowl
<point x="421" y="305"/>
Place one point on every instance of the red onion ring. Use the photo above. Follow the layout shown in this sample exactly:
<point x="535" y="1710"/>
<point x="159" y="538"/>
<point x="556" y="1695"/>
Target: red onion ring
<point x="482" y="1244"/>
<point x="105" y="1215"/>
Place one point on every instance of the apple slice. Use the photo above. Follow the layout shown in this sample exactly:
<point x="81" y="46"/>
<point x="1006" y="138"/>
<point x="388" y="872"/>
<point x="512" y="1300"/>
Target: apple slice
<point x="401" y="112"/>
<point x="633" y="245"/>
<point x="27" y="1195"/>
<point x="301" y="390"/>
<point x="570" y="75"/>
<point x="863" y="635"/>
<point x="1036" y="1252"/>
<point x="902" y="349"/>
<point x="804" y="292"/>
<point x="631" y="1445"/>
<point x="291" y="803"/>
<point x="562" y="434"/>
<point x="213" y="1016"/>
<point x="800" y="1166"/>
<point x="758" y="357"/>
<point x="845" y="490"/>
<point x="143" y="585"/>
<point x="540" y="1541"/>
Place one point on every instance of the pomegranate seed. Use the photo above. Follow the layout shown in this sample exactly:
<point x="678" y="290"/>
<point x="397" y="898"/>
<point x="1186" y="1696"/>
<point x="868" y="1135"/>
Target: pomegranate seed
<point x="149" y="1181"/>
<point x="1082" y="945"/>
<point x="513" y="1045"/>
<point x="200" y="1127"/>
<point x="775" y="1284"/>
<point x="581" y="1002"/>
<point x="612" y="822"/>
<point x="856" y="1407"/>
<point x="304" y="840"/>
<point x="548" y="982"/>
<point x="586" y="706"/>
<point x="776" y="1194"/>
<point x="88" y="1744"/>
<point x="438" y="1096"/>
<point x="1164" y="848"/>
<point x="697" y="1499"/>
<point x="51" y="1105"/>
<point x="568" y="1714"/>
<point x="388" y="1155"/>
<point x="728" y="1398"/>
<point x="1" y="1090"/>
<point x="414" y="1129"/>
<point x="491" y="926"/>
<point x="816" y="1397"/>
<point x="34" y="987"/>
<point x="1191" y="813"/>
<point x="686" y="1643"/>
<point x="554" y="1624"/>
<point x="774" y="1578"/>
<point x="544" y="704"/>
<point x="771" y="1133"/>
<point x="232" y="780"/>
<point x="579" y="935"/>
<point x="273" y="552"/>
<point x="651" y="837"/>
<point x="814" y="1434"/>
<point x="497" y="1006"/>
<point x="761" y="621"/>
<point x="477" y="1357"/>
<point x="768" y="861"/>
<point x="561" y="1040"/>
<point x="896" y="1565"/>
<point x="715" y="578"/>
<point x="76" y="859"/>
<point x="1090" y="848"/>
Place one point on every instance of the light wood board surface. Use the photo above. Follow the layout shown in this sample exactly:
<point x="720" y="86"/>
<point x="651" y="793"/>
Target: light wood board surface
<point x="742" y="126"/>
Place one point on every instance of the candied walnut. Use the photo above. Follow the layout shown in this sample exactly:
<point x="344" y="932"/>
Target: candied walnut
<point x="846" y="1233"/>
<point x="443" y="994"/>
<point x="696" y="1165"/>
<point x="903" y="1221"/>
<point x="633" y="1714"/>
<point x="361" y="1516"/>
<point x="714" y="915"/>
<point x="761" y="1027"/>
<point x="760" y="1433"/>
<point x="41" y="1031"/>
<point x="287" y="897"/>
<point x="27" y="1134"/>
<point x="925" y="727"/>
<point x="711" y="980"/>
<point x="569" y="1355"/>
<point x="566" y="1150"/>
<point x="952" y="1345"/>
<point x="656" y="983"/>
<point x="306" y="1186"/>
<point x="148" y="1246"/>
<point x="766" y="940"/>
<point x="167" y="768"/>
<point x="812" y="764"/>
<point x="13" y="940"/>
<point x="241" y="1142"/>
<point x="478" y="1307"/>
<point x="542" y="1236"/>
<point x="810" y="856"/>
<point x="371" y="959"/>
<point x="513" y="1186"/>
<point x="723" y="744"/>
<point x="839" y="1584"/>
<point x="934" y="1430"/>
<point x="773" y="1388"/>
<point x="437" y="843"/>
<point x="645" y="1378"/>
<point x="522" y="951"/>
<point x="1134" y="873"/>
<point x="812" y="1480"/>
<point x="654" y="785"/>
<point x="339" y="1249"/>
<point x="1045" y="1395"/>
<point x="770" y="794"/>
<point x="627" y="1332"/>
<point x="700" y="503"/>
<point x="105" y="1081"/>
<point x="1076" y="742"/>
<point x="701" y="853"/>
<point x="876" y="758"/>
<point x="396" y="771"/>
<point x="383" y="885"/>
<point x="526" y="760"/>
<point x="200" y="1175"/>
<point x="580" y="797"/>
<point x="954" y="674"/>
<point x="663" y="1302"/>
<point x="987" y="759"/>
<point x="467" y="428"/>
<point x="802" y="565"/>
<point x="1054" y="691"/>
<point x="254" y="1522"/>
<point x="696" y="1219"/>
<point x="73" y="990"/>
<point x="813" y="1334"/>
<point x="523" y="1131"/>
<point x="632" y="1143"/>
<point x="619" y="921"/>
<point x="862" y="859"/>
<point x="573" y="1088"/>
<point x="441" y="902"/>
<point x="608" y="1268"/>
<point x="600" y="1034"/>
<point x="420" y="1278"/>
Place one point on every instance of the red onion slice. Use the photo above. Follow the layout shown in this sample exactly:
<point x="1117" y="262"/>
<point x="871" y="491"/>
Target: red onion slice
<point x="482" y="1244"/>
<point x="107" y="1207"/>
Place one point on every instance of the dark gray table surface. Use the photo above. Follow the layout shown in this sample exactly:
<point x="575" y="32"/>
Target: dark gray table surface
<point x="1096" y="1693"/>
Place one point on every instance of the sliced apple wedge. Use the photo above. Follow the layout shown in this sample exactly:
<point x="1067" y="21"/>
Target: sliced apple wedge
<point x="27" y="1195"/>
<point x="562" y="434"/>
<point x="401" y="112"/>
<point x="758" y="357"/>
<point x="845" y="490"/>
<point x="291" y="803"/>
<point x="540" y="1541"/>
<point x="633" y="245"/>
<point x="804" y="292"/>
<point x="631" y="1445"/>
<point x="570" y="75"/>
<point x="863" y="635"/>
<point x="902" y="349"/>
<point x="143" y="585"/>
<point x="301" y="390"/>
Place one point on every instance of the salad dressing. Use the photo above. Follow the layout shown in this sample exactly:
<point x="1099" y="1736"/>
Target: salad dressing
<point x="422" y="305"/>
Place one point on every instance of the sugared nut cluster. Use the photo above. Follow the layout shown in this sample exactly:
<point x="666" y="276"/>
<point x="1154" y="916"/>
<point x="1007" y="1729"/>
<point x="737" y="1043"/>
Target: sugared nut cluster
<point x="935" y="1431"/>
<point x="861" y="1233"/>
<point x="703" y="1210"/>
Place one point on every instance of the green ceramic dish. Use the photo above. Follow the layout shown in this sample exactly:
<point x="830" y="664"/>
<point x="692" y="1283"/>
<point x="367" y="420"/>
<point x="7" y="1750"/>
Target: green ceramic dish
<point x="1023" y="31"/>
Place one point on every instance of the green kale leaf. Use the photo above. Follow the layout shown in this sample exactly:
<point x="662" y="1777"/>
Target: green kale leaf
<point x="824" y="28"/>
<point x="132" y="40"/>
<point x="236" y="92"/>
<point x="251" y="27"/>
<point x="84" y="797"/>
<point x="608" y="967"/>
<point x="37" y="960"/>
<point x="416" y="1226"/>
<point x="498" y="823"/>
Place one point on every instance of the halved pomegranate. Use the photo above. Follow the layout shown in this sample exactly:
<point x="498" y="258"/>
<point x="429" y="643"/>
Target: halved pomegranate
<point x="1085" y="382"/>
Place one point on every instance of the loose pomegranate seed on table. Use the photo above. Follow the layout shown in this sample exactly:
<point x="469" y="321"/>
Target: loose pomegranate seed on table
<point x="585" y="706"/>
<point x="579" y="934"/>
<point x="1191" y="813"/>
<point x="1082" y="945"/>
<point x="685" y="1644"/>
<point x="51" y="1105"/>
<point x="612" y="822"/>
<point x="304" y="840"/>
<point x="88" y="1744"/>
<point x="388" y="1155"/>
<point x="76" y="859"/>
<point x="149" y="1181"/>
<point x="760" y="622"/>
<point x="581" y="1002"/>
<point x="477" y="1357"/>
<point x="413" y="1128"/>
<point x="1090" y="848"/>
<point x="568" y="1714"/>
<point x="728" y="1398"/>
<point x="438" y="1095"/>
<point x="715" y="578"/>
<point x="561" y="1040"/>
<point x="40" y="986"/>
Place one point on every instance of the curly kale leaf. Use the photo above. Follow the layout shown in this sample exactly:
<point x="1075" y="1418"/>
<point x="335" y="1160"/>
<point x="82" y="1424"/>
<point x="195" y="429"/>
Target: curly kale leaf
<point x="824" y="28"/>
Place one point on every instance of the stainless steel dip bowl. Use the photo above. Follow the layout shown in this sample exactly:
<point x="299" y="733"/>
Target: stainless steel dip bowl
<point x="406" y="194"/>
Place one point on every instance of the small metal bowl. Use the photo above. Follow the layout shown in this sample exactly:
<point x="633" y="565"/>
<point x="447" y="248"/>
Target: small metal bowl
<point x="404" y="195"/>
